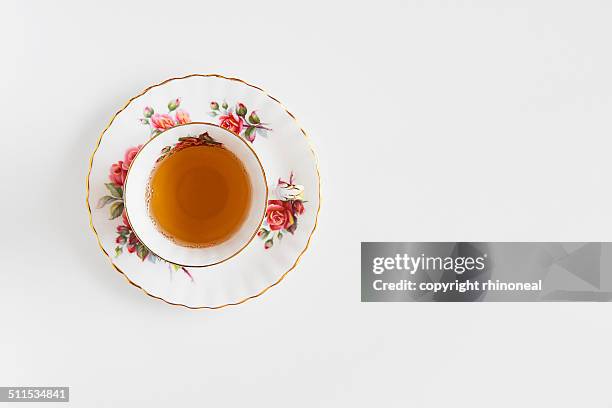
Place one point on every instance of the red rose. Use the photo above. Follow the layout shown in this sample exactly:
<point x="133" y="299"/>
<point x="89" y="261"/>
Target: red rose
<point x="298" y="207"/>
<point x="133" y="239"/>
<point x="117" y="173"/>
<point x="129" y="156"/>
<point x="231" y="122"/>
<point x="278" y="215"/>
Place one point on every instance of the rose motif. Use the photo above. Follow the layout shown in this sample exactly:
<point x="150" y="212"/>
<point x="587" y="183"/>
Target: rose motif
<point x="130" y="237"/>
<point x="231" y="122"/>
<point x="162" y="121"/>
<point x="279" y="215"/>
<point x="118" y="173"/>
<point x="298" y="207"/>
<point x="239" y="120"/>
<point x="132" y="242"/>
<point x="182" y="117"/>
<point x="126" y="239"/>
<point x="129" y="156"/>
<point x="282" y="214"/>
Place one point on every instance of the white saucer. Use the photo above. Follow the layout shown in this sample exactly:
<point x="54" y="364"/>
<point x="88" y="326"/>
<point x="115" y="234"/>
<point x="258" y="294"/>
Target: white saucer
<point x="289" y="162"/>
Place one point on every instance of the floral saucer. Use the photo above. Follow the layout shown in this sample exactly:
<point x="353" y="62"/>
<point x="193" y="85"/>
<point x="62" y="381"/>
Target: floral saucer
<point x="289" y="162"/>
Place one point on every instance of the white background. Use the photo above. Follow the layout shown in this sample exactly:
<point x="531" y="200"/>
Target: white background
<point x="482" y="121"/>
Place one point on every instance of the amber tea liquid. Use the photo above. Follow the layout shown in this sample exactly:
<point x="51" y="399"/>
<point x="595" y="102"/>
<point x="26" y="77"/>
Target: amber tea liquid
<point x="199" y="196"/>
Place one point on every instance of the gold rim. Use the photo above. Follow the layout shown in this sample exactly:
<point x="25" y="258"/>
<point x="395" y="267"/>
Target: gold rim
<point x="299" y="257"/>
<point x="263" y="173"/>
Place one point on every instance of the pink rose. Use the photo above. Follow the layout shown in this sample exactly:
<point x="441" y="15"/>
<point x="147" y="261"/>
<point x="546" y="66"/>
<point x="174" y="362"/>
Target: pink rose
<point x="182" y="117"/>
<point x="231" y="122"/>
<point x="117" y="173"/>
<point x="279" y="215"/>
<point x="129" y="156"/>
<point x="162" y="121"/>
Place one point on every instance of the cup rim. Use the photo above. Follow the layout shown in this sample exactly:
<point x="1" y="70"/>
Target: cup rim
<point x="265" y="181"/>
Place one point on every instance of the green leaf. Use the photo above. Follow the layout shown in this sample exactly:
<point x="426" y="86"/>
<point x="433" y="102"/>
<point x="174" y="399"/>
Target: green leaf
<point x="166" y="149"/>
<point x="175" y="267"/>
<point x="250" y="130"/>
<point x="118" y="251"/>
<point x="115" y="190"/>
<point x="213" y="114"/>
<point x="142" y="251"/>
<point x="105" y="200"/>
<point x="116" y="209"/>
<point x="279" y="235"/>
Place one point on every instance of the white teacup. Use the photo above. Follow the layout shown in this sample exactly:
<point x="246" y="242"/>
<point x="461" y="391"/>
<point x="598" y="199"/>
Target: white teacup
<point x="135" y="197"/>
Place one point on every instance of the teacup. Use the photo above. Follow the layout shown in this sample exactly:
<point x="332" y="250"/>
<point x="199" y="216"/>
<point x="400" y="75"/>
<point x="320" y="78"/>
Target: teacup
<point x="137" y="193"/>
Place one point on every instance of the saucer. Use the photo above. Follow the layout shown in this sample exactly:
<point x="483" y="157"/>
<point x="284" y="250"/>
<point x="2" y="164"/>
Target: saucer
<point x="293" y="189"/>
